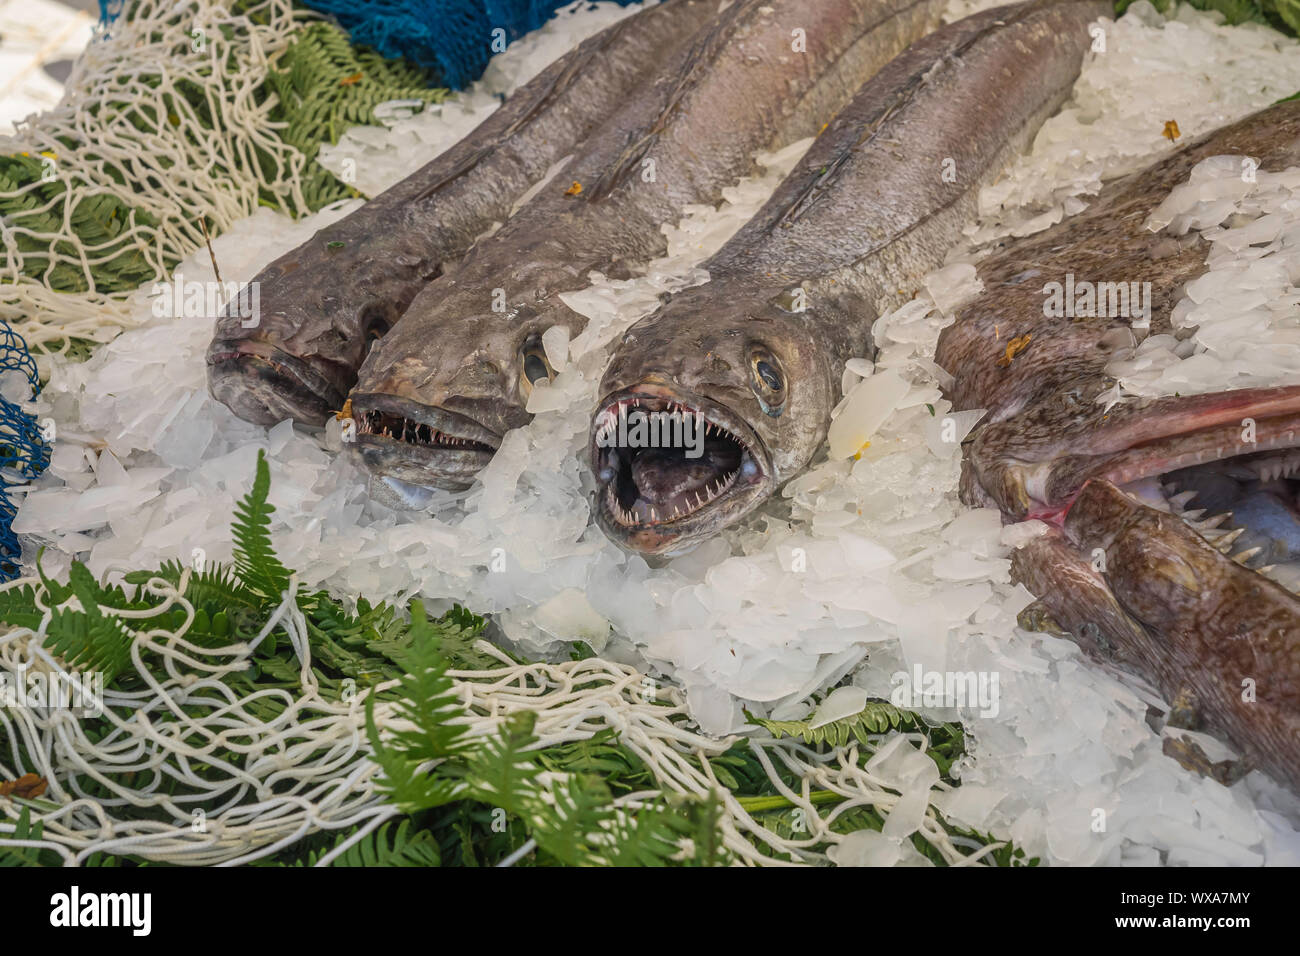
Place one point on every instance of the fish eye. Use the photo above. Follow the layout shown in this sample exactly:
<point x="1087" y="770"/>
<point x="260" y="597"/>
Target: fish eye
<point x="768" y="379"/>
<point x="533" y="364"/>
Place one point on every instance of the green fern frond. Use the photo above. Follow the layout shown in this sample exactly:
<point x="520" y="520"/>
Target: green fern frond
<point x="88" y="638"/>
<point x="386" y="846"/>
<point x="502" y="772"/>
<point x="429" y="701"/>
<point x="877" y="717"/>
<point x="18" y="607"/>
<point x="215" y="588"/>
<point x="947" y="740"/>
<point x="256" y="563"/>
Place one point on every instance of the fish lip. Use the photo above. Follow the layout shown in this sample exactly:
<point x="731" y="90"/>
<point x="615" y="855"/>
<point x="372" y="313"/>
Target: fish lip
<point x="289" y="387"/>
<point x="1052" y="485"/>
<point x="428" y="465"/>
<point x="674" y="535"/>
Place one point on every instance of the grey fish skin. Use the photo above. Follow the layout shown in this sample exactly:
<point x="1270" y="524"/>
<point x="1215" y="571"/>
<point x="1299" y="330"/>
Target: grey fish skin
<point x="324" y="303"/>
<point x="855" y="226"/>
<point x="1162" y="600"/>
<point x="453" y="370"/>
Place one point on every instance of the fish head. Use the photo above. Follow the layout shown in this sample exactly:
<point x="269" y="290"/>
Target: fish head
<point x="289" y="344"/>
<point x="1177" y="522"/>
<point x="435" y="398"/>
<point x="707" y="407"/>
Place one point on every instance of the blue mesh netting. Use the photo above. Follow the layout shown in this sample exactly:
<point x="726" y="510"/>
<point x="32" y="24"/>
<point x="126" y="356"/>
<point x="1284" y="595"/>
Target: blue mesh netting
<point x="24" y="453"/>
<point x="452" y="37"/>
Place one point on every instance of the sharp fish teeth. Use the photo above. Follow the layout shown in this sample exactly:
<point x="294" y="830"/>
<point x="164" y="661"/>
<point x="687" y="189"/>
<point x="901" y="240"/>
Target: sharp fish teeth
<point x="1225" y="543"/>
<point x="1246" y="555"/>
<point x="1212" y="522"/>
<point x="1180" y="500"/>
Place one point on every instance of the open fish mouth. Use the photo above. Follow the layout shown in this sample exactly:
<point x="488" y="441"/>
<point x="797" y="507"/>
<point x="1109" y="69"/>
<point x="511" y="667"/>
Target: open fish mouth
<point x="1227" y="464"/>
<point x="1178" y="558"/>
<point x="265" y="385"/>
<point x="420" y="445"/>
<point x="672" y="468"/>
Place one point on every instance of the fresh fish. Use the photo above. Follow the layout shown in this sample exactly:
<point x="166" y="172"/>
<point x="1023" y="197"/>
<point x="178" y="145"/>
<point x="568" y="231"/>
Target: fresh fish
<point x="437" y="394"/>
<point x="1151" y="587"/>
<point x="323" y="304"/>
<point x="757" y="352"/>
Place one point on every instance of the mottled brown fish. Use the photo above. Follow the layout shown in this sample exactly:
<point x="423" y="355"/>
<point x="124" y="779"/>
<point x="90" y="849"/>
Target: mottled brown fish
<point x="1139" y="581"/>
<point x="882" y="195"/>
<point x="438" y="393"/>
<point x="324" y="304"/>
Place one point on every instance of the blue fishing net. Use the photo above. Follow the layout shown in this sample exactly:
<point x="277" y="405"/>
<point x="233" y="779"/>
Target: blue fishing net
<point x="24" y="452"/>
<point x="453" y="37"/>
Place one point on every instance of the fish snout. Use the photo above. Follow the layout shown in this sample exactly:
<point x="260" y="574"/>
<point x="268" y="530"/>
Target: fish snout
<point x="417" y="445"/>
<point x="282" y="348"/>
<point x="265" y="385"/>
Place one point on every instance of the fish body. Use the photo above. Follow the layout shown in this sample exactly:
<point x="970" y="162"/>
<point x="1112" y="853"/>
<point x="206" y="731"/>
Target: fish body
<point x="324" y="304"/>
<point x="1137" y="577"/>
<point x="877" y="202"/>
<point x="436" y="395"/>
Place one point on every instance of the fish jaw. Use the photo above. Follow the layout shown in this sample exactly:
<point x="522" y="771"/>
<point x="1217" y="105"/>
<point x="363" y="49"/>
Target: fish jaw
<point x="448" y="361"/>
<point x="1140" y="589"/>
<point x="265" y="385"/>
<point x="692" y="497"/>
<point x="420" y="445"/>
<point x="1175" y="582"/>
<point x="700" y="351"/>
<point x="299" y="354"/>
<point x="1033" y="465"/>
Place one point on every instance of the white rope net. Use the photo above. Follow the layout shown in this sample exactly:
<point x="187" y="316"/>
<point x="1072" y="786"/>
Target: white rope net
<point x="269" y="782"/>
<point x="126" y="129"/>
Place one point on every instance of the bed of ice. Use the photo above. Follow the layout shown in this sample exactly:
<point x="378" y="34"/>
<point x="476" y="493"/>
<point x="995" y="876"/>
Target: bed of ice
<point x="867" y="566"/>
<point x="1236" y="325"/>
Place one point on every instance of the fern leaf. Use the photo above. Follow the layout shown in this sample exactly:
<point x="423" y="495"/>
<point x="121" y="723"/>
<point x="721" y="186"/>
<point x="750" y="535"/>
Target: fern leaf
<point x="430" y="703"/>
<point x="18" y="607"/>
<point x="876" y="718"/>
<point x="255" y="559"/>
<point x="500" y="771"/>
<point x="389" y="847"/>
